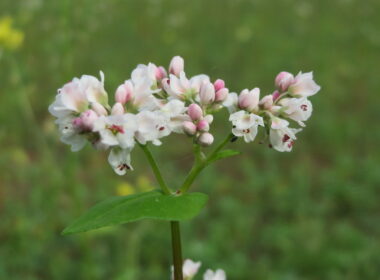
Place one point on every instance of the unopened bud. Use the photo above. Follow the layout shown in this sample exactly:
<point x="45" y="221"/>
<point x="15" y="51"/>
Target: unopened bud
<point x="195" y="112"/>
<point x="203" y="125"/>
<point x="124" y="92"/>
<point x="99" y="109"/>
<point x="117" y="109"/>
<point x="219" y="84"/>
<point x="206" y="139"/>
<point x="176" y="65"/>
<point x="207" y="93"/>
<point x="284" y="80"/>
<point x="189" y="128"/>
<point x="221" y="95"/>
<point x="249" y="100"/>
<point x="266" y="102"/>
<point x="160" y="73"/>
<point x="276" y="94"/>
<point x="85" y="122"/>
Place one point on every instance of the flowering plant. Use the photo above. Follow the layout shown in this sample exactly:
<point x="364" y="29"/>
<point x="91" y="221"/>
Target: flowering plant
<point x="153" y="104"/>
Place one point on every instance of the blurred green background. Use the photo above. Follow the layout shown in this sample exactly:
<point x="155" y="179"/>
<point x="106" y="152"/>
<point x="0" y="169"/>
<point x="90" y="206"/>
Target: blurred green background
<point x="310" y="214"/>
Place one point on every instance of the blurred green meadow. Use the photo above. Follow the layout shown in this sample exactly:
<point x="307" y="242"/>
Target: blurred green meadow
<point x="313" y="213"/>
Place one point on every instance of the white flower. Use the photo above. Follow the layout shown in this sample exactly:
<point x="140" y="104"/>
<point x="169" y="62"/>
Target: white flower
<point x="245" y="124"/>
<point x="151" y="126"/>
<point x="175" y="111"/>
<point x="143" y="98"/>
<point x="183" y="88"/>
<point x="231" y="102"/>
<point x="219" y="274"/>
<point x="190" y="268"/>
<point x="118" y="130"/>
<point x="303" y="85"/>
<point x="77" y="95"/>
<point x="70" y="134"/>
<point x="281" y="136"/>
<point x="297" y="109"/>
<point x="145" y="74"/>
<point x="120" y="160"/>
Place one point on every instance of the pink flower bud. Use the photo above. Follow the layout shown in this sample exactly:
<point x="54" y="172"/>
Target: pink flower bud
<point x="99" y="108"/>
<point x="85" y="122"/>
<point x="207" y="93"/>
<point x="161" y="73"/>
<point x="249" y="100"/>
<point x="219" y="84"/>
<point x="124" y="92"/>
<point x="206" y="139"/>
<point x="221" y="95"/>
<point x="195" y="112"/>
<point x="189" y="128"/>
<point x="203" y="125"/>
<point x="117" y="109"/>
<point x="267" y="102"/>
<point x="284" y="80"/>
<point x="275" y="95"/>
<point x="176" y="65"/>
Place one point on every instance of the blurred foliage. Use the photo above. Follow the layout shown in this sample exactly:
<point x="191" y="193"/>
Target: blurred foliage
<point x="310" y="214"/>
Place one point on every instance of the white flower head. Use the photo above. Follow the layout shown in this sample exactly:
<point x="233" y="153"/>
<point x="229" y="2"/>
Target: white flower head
<point x="70" y="134"/>
<point x="175" y="111"/>
<point x="304" y="85"/>
<point x="190" y="268"/>
<point x="297" y="109"/>
<point x="120" y="160"/>
<point x="245" y="125"/>
<point x="117" y="130"/>
<point x="219" y="274"/>
<point x="151" y="126"/>
<point x="281" y="136"/>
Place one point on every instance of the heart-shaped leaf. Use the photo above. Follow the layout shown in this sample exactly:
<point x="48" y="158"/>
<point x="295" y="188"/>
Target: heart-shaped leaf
<point x="148" y="205"/>
<point x="223" y="154"/>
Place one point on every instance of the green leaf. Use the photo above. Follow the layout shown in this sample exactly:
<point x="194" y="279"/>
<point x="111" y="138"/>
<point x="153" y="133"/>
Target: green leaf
<point x="148" y="205"/>
<point x="223" y="154"/>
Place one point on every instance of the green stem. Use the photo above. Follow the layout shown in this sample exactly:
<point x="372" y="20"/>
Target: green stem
<point x="155" y="169"/>
<point x="199" y="166"/>
<point x="177" y="251"/>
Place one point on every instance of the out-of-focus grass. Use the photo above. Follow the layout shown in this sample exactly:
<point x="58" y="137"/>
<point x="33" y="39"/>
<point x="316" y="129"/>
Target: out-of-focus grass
<point x="310" y="214"/>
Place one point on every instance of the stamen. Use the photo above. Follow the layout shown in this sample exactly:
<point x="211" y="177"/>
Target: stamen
<point x="304" y="107"/>
<point x="285" y="138"/>
<point x="115" y="129"/>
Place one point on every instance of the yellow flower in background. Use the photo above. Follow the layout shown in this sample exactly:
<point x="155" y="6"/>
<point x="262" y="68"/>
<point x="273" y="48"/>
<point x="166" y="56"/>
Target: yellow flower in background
<point x="10" y="38"/>
<point x="125" y="189"/>
<point x="142" y="184"/>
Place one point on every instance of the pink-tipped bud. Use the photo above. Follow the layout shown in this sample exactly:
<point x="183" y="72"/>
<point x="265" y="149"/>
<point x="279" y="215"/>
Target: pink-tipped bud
<point x="207" y="93"/>
<point x="85" y="122"/>
<point x="99" y="109"/>
<point x="195" y="112"/>
<point x="276" y="94"/>
<point x="117" y="109"/>
<point x="124" y="92"/>
<point x="284" y="80"/>
<point x="267" y="102"/>
<point x="176" y="65"/>
<point x="203" y="125"/>
<point x="160" y="73"/>
<point x="219" y="84"/>
<point x="206" y="139"/>
<point x="189" y="128"/>
<point x="221" y="95"/>
<point x="249" y="100"/>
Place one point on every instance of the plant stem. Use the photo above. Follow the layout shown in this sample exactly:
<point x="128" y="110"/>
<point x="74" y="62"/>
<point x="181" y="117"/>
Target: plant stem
<point x="177" y="251"/>
<point x="155" y="169"/>
<point x="199" y="166"/>
<point x="175" y="231"/>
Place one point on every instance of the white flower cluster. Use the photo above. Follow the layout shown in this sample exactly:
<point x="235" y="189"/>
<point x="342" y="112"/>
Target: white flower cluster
<point x="153" y="104"/>
<point x="190" y="269"/>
